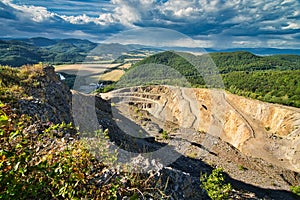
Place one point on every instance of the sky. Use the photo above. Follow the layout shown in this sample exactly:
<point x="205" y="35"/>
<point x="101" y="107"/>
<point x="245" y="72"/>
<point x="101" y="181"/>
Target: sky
<point x="216" y="24"/>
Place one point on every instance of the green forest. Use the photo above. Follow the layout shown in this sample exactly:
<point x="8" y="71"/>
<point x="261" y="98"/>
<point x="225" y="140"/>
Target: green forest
<point x="16" y="53"/>
<point x="272" y="79"/>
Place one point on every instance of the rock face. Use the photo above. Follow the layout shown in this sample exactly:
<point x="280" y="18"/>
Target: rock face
<point x="276" y="131"/>
<point x="50" y="100"/>
<point x="258" y="129"/>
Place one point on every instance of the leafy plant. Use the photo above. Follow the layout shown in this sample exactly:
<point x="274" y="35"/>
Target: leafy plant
<point x="242" y="168"/>
<point x="215" y="185"/>
<point x="267" y="128"/>
<point x="106" y="88"/>
<point x="296" y="190"/>
<point x="3" y="118"/>
<point x="165" y="134"/>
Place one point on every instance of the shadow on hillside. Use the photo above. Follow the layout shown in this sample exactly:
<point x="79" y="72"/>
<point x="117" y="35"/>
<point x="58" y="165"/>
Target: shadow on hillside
<point x="194" y="167"/>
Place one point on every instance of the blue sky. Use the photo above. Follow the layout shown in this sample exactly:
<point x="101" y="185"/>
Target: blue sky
<point x="210" y="23"/>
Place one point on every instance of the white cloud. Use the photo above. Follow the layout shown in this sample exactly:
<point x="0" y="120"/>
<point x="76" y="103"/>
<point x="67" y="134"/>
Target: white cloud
<point x="126" y="12"/>
<point x="41" y="14"/>
<point x="81" y="19"/>
<point x="35" y="13"/>
<point x="7" y="1"/>
<point x="291" y="25"/>
<point x="186" y="12"/>
<point x="238" y="19"/>
<point x="278" y="43"/>
<point x="267" y="28"/>
<point x="287" y="2"/>
<point x="103" y="19"/>
<point x="79" y="34"/>
<point x="246" y="43"/>
<point x="296" y="13"/>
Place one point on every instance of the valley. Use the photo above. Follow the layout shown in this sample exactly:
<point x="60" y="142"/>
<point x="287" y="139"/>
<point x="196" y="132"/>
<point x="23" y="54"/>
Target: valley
<point x="150" y="100"/>
<point x="177" y="117"/>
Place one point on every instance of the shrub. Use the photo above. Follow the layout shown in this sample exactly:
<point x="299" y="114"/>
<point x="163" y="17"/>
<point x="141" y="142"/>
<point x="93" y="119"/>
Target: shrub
<point x="165" y="134"/>
<point x="106" y="88"/>
<point x="296" y="190"/>
<point x="242" y="168"/>
<point x="215" y="185"/>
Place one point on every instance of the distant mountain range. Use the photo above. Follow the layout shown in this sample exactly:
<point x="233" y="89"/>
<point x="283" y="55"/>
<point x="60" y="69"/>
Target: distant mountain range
<point x="18" y="52"/>
<point x="260" y="51"/>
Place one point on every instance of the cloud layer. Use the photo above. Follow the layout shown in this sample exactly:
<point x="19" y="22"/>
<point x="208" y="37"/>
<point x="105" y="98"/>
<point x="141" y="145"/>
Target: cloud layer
<point x="211" y="23"/>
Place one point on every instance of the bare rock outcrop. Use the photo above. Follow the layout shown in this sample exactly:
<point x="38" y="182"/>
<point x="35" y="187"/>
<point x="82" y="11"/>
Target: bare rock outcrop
<point x="50" y="100"/>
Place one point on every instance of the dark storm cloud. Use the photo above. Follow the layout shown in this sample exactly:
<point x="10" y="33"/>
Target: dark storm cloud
<point x="220" y="22"/>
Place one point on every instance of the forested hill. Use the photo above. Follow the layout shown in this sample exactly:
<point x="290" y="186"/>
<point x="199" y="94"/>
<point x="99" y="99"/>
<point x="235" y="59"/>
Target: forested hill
<point x="30" y="51"/>
<point x="233" y="61"/>
<point x="245" y="61"/>
<point x="18" y="52"/>
<point x="271" y="78"/>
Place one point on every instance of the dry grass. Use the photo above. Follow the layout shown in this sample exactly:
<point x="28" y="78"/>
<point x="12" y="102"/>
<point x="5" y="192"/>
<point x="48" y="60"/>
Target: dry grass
<point x="114" y="75"/>
<point x="32" y="70"/>
<point x="125" y="66"/>
<point x="94" y="72"/>
<point x="85" y="69"/>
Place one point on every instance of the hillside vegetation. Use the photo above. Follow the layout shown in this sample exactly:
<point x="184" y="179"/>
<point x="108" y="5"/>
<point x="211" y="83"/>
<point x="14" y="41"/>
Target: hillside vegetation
<point x="271" y="78"/>
<point x="273" y="86"/>
<point x="20" y="52"/>
<point x="40" y="159"/>
<point x="16" y="53"/>
<point x="245" y="61"/>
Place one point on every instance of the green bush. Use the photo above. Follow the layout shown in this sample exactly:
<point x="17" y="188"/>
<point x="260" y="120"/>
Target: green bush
<point x="242" y="168"/>
<point x="106" y="89"/>
<point x="165" y="134"/>
<point x="215" y="185"/>
<point x="296" y="190"/>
